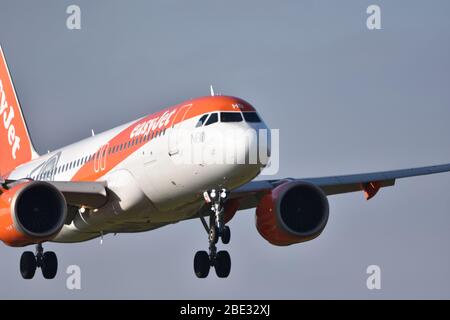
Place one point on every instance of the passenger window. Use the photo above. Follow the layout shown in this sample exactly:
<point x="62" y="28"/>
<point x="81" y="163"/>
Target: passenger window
<point x="251" y="117"/>
<point x="201" y="121"/>
<point x="230" y="117"/>
<point x="213" y="118"/>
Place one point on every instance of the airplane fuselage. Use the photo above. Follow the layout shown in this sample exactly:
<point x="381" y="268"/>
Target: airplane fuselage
<point x="144" y="164"/>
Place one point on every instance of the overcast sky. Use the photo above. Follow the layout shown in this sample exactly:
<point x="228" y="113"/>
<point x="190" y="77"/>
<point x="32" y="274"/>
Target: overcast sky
<point x="346" y="100"/>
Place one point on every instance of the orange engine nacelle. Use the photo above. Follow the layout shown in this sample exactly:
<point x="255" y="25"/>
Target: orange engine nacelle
<point x="293" y="212"/>
<point x="31" y="212"/>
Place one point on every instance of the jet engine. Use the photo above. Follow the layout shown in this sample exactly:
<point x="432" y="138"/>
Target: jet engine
<point x="31" y="212"/>
<point x="292" y="212"/>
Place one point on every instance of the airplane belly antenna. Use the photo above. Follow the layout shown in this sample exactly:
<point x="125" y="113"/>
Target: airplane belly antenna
<point x="211" y="89"/>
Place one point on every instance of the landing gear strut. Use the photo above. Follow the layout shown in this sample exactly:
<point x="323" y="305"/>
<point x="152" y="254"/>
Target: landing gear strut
<point x="216" y="229"/>
<point x="47" y="261"/>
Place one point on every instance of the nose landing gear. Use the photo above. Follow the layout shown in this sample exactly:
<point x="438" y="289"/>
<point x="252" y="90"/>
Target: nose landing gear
<point x="47" y="261"/>
<point x="220" y="260"/>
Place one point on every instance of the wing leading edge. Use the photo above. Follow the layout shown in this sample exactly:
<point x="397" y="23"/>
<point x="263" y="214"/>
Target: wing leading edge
<point x="369" y="183"/>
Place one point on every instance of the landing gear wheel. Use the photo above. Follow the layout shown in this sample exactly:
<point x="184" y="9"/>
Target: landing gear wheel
<point x="28" y="265"/>
<point x="49" y="265"/>
<point x="201" y="264"/>
<point x="214" y="234"/>
<point x="226" y="235"/>
<point x="222" y="264"/>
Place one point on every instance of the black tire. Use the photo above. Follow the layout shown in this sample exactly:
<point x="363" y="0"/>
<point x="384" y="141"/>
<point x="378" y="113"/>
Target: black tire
<point x="214" y="234"/>
<point x="223" y="264"/>
<point x="201" y="264"/>
<point x="226" y="235"/>
<point x="28" y="265"/>
<point x="49" y="265"/>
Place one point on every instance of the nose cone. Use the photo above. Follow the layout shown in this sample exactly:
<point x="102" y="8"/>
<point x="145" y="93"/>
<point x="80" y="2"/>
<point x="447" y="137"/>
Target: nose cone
<point x="237" y="136"/>
<point x="261" y="145"/>
<point x="245" y="144"/>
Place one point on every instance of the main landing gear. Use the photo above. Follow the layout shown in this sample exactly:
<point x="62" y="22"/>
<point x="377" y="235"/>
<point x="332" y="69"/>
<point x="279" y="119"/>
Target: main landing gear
<point x="216" y="229"/>
<point x="47" y="261"/>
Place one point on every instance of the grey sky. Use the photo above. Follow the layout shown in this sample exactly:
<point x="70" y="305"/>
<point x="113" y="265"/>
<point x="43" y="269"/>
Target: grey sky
<point x="346" y="99"/>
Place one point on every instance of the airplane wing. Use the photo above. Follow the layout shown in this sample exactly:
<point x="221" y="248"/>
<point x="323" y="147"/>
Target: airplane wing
<point x="83" y="194"/>
<point x="369" y="183"/>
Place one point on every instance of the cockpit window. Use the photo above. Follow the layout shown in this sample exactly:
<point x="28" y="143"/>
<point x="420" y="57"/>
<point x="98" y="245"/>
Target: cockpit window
<point x="201" y="121"/>
<point x="212" y="119"/>
<point x="251" y="117"/>
<point x="230" y="117"/>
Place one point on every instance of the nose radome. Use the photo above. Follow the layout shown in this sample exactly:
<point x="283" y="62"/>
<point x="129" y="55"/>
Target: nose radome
<point x="252" y="145"/>
<point x="263" y="145"/>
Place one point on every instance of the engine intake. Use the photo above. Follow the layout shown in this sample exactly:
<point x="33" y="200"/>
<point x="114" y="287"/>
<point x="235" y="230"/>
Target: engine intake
<point x="30" y="212"/>
<point x="291" y="213"/>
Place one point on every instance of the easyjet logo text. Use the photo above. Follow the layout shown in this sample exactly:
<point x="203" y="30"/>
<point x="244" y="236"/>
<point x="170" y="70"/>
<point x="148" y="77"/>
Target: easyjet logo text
<point x="156" y="123"/>
<point x="7" y="115"/>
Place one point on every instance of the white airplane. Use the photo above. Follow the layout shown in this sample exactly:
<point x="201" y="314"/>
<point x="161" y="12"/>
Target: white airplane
<point x="131" y="179"/>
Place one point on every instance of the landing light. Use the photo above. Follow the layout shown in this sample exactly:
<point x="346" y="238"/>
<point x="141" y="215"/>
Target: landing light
<point x="223" y="194"/>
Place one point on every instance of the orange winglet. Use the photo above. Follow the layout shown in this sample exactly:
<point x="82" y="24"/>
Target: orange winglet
<point x="370" y="189"/>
